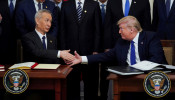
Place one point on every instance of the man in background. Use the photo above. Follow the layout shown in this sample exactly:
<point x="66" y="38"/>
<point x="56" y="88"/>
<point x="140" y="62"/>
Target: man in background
<point x="8" y="36"/>
<point x="25" y="15"/>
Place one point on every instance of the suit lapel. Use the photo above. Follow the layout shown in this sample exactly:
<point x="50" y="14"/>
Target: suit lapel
<point x="49" y="42"/>
<point x="132" y="7"/>
<point x="172" y="9"/>
<point x="85" y="9"/>
<point x="141" y="45"/>
<point x="45" y="5"/>
<point x="37" y="40"/>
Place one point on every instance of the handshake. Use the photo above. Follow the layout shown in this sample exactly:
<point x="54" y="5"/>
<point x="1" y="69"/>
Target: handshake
<point x="69" y="58"/>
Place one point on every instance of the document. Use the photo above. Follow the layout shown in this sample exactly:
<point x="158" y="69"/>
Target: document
<point x="25" y="65"/>
<point x="140" y="68"/>
<point x="47" y="66"/>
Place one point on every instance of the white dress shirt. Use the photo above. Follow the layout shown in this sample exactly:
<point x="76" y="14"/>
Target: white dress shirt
<point x="82" y="3"/>
<point x="40" y="36"/>
<point x="14" y="3"/>
<point x="59" y="4"/>
<point x="123" y="5"/>
<point x="36" y="5"/>
<point x="104" y="4"/>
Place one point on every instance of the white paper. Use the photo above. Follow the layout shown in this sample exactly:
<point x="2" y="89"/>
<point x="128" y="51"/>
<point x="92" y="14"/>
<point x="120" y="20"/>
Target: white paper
<point x="24" y="65"/>
<point x="47" y="66"/>
<point x="145" y="65"/>
<point x="169" y="66"/>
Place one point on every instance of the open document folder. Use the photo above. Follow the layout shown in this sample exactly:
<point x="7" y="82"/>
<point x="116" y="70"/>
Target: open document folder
<point x="34" y="65"/>
<point x="140" y="68"/>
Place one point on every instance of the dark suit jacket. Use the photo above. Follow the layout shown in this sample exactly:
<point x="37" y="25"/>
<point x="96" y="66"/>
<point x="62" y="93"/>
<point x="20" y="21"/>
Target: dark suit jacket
<point x="83" y="36"/>
<point x="25" y="21"/>
<point x="164" y="25"/>
<point x="139" y="9"/>
<point x="33" y="49"/>
<point x="149" y="48"/>
<point x="8" y="35"/>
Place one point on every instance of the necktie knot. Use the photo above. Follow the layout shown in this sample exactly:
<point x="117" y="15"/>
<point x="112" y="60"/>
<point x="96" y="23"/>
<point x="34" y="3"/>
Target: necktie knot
<point x="102" y="5"/>
<point x="43" y="37"/>
<point x="79" y="3"/>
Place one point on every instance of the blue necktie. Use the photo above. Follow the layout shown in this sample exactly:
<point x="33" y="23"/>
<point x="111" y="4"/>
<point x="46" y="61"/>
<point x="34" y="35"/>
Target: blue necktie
<point x="11" y="6"/>
<point x="132" y="54"/>
<point x="103" y="12"/>
<point x="167" y="7"/>
<point x="44" y="44"/>
<point x="39" y="6"/>
<point x="127" y="8"/>
<point x="79" y="11"/>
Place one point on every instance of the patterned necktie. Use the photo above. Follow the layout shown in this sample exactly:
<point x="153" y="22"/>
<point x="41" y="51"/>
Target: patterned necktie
<point x="39" y="6"/>
<point x="44" y="44"/>
<point x="11" y="6"/>
<point x="103" y="12"/>
<point x="79" y="11"/>
<point x="132" y="54"/>
<point x="127" y="8"/>
<point x="167" y="7"/>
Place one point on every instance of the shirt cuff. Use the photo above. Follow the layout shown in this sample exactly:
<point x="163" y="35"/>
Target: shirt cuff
<point x="84" y="60"/>
<point x="58" y="54"/>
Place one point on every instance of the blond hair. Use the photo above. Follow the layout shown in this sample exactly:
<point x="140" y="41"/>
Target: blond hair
<point x="131" y="22"/>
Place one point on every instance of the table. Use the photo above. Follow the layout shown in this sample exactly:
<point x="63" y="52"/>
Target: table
<point x="46" y="80"/>
<point x="133" y="83"/>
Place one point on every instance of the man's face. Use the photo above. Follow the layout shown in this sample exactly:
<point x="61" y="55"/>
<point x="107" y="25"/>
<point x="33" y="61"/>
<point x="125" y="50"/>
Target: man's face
<point x="44" y="23"/>
<point x="124" y="31"/>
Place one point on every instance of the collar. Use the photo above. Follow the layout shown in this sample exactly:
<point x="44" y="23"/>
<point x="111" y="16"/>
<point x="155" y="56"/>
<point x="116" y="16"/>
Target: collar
<point x="136" y="38"/>
<point x="103" y="3"/>
<point x="40" y="35"/>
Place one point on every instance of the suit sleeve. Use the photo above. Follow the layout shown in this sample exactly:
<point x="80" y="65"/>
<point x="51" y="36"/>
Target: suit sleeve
<point x="97" y="28"/>
<point x="156" y="53"/>
<point x="30" y="47"/>
<point x="103" y="57"/>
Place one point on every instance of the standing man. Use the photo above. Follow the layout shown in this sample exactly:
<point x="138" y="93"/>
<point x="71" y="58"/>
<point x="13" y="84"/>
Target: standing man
<point x="104" y="83"/>
<point x="164" y="19"/>
<point x="117" y="9"/>
<point x="8" y="36"/>
<point x="25" y="15"/>
<point x="80" y="31"/>
<point x="41" y="47"/>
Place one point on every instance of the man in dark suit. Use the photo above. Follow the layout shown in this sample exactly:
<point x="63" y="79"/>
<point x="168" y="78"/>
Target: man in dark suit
<point x="80" y="30"/>
<point x="8" y="37"/>
<point x="25" y="15"/>
<point x="41" y="47"/>
<point x="134" y="46"/>
<point x="164" y="19"/>
<point x="116" y="10"/>
<point x="104" y="83"/>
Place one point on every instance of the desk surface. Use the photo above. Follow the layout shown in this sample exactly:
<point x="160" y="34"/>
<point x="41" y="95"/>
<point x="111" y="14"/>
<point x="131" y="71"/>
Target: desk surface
<point x="59" y="73"/>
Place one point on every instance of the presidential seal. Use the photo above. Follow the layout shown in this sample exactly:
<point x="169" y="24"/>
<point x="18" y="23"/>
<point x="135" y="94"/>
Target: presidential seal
<point x="16" y="81"/>
<point x="157" y="84"/>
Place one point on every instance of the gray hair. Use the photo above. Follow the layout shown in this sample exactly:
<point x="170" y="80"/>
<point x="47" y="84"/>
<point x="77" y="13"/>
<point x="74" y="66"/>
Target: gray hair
<point x="131" y="22"/>
<point x="38" y="15"/>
